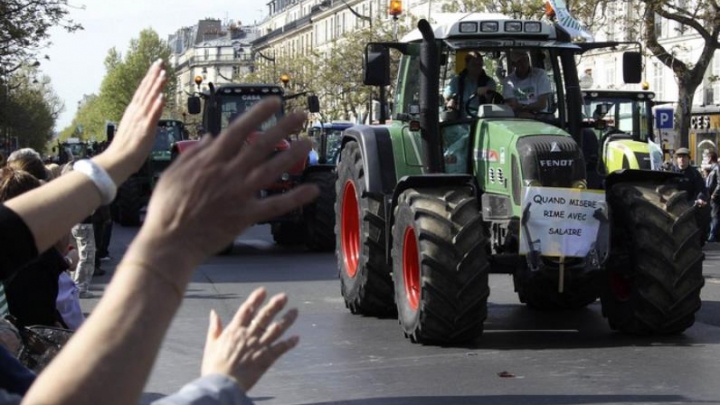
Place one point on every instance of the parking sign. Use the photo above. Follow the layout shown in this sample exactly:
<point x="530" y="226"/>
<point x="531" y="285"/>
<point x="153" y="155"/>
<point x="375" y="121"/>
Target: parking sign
<point x="664" y="118"/>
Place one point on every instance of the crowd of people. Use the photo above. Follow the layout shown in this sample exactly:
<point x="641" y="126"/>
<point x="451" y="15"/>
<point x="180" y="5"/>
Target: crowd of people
<point x="109" y="358"/>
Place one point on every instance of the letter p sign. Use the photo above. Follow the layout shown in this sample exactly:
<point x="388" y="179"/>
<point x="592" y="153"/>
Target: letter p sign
<point x="664" y="118"/>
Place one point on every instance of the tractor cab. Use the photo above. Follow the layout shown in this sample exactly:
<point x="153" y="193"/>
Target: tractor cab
<point x="621" y="122"/>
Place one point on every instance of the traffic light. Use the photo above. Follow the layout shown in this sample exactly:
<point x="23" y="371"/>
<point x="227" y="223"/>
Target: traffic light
<point x="395" y="8"/>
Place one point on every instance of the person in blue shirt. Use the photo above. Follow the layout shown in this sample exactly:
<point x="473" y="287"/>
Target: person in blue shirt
<point x="471" y="80"/>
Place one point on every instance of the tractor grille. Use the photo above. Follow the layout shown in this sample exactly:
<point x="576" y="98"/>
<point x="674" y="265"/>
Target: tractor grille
<point x="554" y="161"/>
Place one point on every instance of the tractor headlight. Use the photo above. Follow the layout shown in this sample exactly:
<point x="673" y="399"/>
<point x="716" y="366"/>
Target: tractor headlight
<point x="582" y="184"/>
<point x="285" y="177"/>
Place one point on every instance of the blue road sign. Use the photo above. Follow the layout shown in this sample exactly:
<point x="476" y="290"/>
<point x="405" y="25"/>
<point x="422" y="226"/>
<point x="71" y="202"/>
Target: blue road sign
<point x="664" y="118"/>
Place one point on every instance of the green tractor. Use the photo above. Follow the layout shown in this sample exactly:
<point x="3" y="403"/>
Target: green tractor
<point x="134" y="194"/>
<point x="428" y="207"/>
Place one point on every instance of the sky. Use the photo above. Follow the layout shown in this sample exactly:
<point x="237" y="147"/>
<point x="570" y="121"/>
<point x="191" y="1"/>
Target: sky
<point x="76" y="60"/>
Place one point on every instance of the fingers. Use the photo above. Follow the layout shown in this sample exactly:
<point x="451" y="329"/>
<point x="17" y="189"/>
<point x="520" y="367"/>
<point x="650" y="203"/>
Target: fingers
<point x="146" y="81"/>
<point x="280" y="204"/>
<point x="267" y="313"/>
<point x="276" y="350"/>
<point x="233" y="138"/>
<point x="246" y="312"/>
<point x="277" y="329"/>
<point x="263" y="145"/>
<point x="215" y="327"/>
<point x="270" y="171"/>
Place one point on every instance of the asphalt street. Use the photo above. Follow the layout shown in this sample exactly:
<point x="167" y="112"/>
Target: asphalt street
<point x="524" y="357"/>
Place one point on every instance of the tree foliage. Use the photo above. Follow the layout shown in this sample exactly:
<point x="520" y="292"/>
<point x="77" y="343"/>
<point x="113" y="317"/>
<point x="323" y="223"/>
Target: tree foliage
<point x="125" y="73"/>
<point x="29" y="109"/>
<point x="701" y="17"/>
<point x="25" y="26"/>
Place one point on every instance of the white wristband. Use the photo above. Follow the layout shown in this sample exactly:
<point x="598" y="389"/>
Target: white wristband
<point x="105" y="185"/>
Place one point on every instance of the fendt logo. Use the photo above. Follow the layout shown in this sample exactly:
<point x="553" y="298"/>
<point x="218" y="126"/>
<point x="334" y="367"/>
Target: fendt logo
<point x="556" y="162"/>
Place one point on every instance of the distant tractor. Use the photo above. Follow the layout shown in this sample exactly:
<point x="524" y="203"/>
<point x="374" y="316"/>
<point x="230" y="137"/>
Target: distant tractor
<point x="134" y="194"/>
<point x="622" y="124"/>
<point x="429" y="205"/>
<point x="327" y="139"/>
<point x="312" y="225"/>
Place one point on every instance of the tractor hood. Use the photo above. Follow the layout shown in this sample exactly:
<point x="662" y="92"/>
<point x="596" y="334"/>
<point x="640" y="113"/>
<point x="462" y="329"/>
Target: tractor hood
<point x="630" y="154"/>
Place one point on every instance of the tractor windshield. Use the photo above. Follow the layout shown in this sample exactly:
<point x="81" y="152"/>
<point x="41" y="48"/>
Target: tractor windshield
<point x="232" y="106"/>
<point x="166" y="136"/>
<point x="487" y="83"/>
<point x="619" y="114"/>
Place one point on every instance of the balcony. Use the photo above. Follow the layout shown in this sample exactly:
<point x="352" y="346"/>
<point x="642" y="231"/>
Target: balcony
<point x="202" y="60"/>
<point x="289" y="27"/>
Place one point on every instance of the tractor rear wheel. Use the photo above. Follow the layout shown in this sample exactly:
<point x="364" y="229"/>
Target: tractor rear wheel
<point x="654" y="275"/>
<point x="539" y="289"/>
<point x="440" y="265"/>
<point x="320" y="215"/>
<point x="129" y="202"/>
<point x="365" y="280"/>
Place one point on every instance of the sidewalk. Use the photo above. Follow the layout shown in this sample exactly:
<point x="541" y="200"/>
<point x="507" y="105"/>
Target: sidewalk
<point x="711" y="266"/>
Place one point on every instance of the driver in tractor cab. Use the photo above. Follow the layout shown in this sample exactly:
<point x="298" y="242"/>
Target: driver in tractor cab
<point x="527" y="90"/>
<point x="472" y="80"/>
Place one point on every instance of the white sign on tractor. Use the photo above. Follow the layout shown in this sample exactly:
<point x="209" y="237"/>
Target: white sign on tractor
<point x="563" y="222"/>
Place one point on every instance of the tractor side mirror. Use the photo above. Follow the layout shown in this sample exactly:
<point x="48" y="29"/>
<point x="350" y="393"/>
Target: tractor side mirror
<point x="193" y="105"/>
<point x="376" y="65"/>
<point x="632" y="67"/>
<point x="313" y="103"/>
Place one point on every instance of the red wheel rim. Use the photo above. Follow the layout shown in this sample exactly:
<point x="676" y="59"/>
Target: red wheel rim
<point x="411" y="269"/>
<point x="350" y="229"/>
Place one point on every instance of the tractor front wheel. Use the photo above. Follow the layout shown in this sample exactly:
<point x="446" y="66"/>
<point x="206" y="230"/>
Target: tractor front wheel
<point x="440" y="265"/>
<point x="365" y="280"/>
<point x="320" y="215"/>
<point x="655" y="276"/>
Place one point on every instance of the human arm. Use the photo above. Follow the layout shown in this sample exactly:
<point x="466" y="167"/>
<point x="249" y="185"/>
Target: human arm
<point x="128" y="324"/>
<point x="208" y="390"/>
<point x="70" y="198"/>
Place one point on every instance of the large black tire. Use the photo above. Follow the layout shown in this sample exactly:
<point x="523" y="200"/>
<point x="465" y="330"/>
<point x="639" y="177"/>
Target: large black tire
<point x="129" y="202"/>
<point x="654" y="276"/>
<point x="365" y="280"/>
<point x="440" y="265"/>
<point x="288" y="233"/>
<point x="320" y="215"/>
<point x="539" y="289"/>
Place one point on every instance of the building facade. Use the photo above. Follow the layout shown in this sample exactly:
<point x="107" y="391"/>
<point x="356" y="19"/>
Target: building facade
<point x="214" y="50"/>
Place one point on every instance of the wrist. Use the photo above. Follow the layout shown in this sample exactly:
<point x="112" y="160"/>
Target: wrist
<point x="162" y="259"/>
<point x="115" y="168"/>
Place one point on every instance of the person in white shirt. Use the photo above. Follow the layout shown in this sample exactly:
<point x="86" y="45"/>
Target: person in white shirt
<point x="527" y="90"/>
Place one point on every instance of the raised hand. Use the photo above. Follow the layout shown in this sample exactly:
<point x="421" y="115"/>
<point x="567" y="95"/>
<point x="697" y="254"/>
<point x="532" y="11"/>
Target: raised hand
<point x="209" y="195"/>
<point x="249" y="345"/>
<point x="136" y="132"/>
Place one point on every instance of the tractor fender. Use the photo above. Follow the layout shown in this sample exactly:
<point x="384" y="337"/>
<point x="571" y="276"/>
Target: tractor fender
<point x="633" y="175"/>
<point x="181" y="147"/>
<point x="437" y="180"/>
<point x="377" y="152"/>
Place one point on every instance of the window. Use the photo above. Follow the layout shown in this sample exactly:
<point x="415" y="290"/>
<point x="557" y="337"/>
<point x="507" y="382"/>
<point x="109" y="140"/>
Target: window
<point x="657" y="81"/>
<point x="658" y="26"/>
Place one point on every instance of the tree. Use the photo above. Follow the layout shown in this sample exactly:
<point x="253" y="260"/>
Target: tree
<point x="702" y="17"/>
<point x="30" y="109"/>
<point x="24" y="29"/>
<point x="125" y="73"/>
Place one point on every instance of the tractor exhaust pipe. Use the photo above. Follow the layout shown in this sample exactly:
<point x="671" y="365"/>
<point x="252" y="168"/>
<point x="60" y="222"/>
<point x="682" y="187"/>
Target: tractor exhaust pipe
<point x="429" y="96"/>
